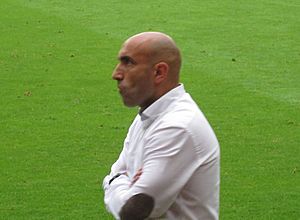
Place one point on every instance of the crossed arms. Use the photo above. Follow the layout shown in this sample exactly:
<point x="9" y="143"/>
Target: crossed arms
<point x="138" y="206"/>
<point x="167" y="166"/>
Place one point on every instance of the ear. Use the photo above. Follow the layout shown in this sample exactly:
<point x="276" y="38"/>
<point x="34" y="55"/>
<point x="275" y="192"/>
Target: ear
<point x="161" y="72"/>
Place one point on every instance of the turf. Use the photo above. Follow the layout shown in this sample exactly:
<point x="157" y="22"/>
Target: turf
<point x="62" y="122"/>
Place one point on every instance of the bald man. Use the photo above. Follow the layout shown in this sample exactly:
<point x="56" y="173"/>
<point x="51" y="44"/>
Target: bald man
<point x="169" y="165"/>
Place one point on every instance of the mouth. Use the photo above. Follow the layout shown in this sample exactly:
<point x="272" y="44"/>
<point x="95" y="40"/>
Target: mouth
<point x="120" y="89"/>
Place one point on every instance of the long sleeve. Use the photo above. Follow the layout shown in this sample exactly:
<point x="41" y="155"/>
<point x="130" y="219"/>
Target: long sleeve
<point x="169" y="162"/>
<point x="115" y="193"/>
<point x="173" y="144"/>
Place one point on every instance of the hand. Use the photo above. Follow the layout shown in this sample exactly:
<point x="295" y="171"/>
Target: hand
<point x="137" y="176"/>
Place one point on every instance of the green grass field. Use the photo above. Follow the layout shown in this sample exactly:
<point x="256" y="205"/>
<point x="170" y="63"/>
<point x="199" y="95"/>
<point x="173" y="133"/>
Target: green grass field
<point x="62" y="122"/>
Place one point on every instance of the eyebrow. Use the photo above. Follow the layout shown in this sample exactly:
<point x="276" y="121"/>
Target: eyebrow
<point x="126" y="59"/>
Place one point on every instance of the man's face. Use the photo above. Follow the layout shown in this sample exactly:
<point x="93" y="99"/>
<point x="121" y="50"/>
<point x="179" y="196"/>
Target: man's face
<point x="135" y="75"/>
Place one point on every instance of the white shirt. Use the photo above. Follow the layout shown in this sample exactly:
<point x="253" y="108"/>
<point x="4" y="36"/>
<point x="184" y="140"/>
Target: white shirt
<point x="178" y="152"/>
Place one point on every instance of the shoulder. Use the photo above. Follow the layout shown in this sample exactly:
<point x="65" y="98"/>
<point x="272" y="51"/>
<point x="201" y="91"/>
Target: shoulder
<point x="183" y="113"/>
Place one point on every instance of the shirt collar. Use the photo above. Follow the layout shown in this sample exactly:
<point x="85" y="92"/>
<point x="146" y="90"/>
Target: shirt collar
<point x="161" y="105"/>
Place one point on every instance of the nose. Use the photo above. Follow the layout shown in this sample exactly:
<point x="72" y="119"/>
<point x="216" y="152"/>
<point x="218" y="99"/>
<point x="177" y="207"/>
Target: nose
<point x="117" y="73"/>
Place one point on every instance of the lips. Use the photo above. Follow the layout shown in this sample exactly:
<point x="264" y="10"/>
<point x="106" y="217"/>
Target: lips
<point x="121" y="89"/>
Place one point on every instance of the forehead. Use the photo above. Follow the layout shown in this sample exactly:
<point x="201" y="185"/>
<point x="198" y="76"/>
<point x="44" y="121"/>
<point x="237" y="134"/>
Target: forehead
<point x="135" y="49"/>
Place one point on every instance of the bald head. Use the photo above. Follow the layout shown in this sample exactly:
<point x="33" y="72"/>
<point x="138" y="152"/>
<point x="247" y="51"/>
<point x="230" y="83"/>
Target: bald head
<point x="158" y="47"/>
<point x="149" y="65"/>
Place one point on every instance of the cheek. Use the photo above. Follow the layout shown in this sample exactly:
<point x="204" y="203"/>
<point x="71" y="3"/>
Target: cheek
<point x="138" y="80"/>
<point x="145" y="88"/>
<point x="135" y="79"/>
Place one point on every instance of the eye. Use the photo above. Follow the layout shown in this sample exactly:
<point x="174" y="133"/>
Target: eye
<point x="127" y="60"/>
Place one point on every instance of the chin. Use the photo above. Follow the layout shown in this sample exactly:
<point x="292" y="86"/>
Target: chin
<point x="129" y="104"/>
